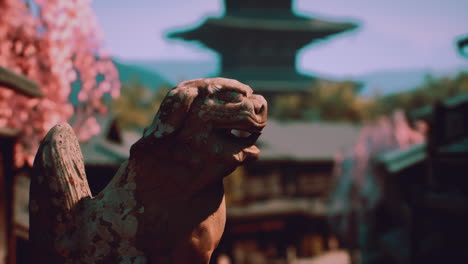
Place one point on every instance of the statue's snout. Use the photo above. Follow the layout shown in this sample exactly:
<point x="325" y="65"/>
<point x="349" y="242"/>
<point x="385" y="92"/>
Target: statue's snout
<point x="260" y="108"/>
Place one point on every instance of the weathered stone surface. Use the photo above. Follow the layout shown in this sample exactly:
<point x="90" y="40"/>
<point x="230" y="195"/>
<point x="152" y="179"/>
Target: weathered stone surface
<point x="166" y="203"/>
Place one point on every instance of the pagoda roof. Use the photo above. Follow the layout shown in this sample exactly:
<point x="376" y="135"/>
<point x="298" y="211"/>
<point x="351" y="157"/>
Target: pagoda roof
<point x="291" y="24"/>
<point x="276" y="80"/>
<point x="272" y="79"/>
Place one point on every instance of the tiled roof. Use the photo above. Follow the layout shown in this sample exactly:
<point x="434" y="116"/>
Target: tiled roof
<point x="298" y="141"/>
<point x="303" y="141"/>
<point x="101" y="151"/>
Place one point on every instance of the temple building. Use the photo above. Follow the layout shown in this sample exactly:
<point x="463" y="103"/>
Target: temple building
<point x="13" y="231"/>
<point x="257" y="42"/>
<point x="426" y="191"/>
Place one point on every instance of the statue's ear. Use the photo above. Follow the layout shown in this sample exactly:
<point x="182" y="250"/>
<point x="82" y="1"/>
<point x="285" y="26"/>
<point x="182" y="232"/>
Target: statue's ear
<point x="172" y="111"/>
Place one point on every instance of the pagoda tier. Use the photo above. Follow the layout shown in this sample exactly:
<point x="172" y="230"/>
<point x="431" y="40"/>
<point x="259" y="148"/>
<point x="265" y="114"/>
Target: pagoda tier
<point x="258" y="41"/>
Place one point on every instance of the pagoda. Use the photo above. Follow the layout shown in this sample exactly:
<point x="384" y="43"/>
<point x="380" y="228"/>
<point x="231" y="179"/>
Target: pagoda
<point x="257" y="41"/>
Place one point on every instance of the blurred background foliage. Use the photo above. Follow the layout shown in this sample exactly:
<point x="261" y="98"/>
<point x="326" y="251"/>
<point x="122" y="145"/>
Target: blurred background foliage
<point x="340" y="101"/>
<point x="135" y="107"/>
<point x="431" y="91"/>
<point x="327" y="101"/>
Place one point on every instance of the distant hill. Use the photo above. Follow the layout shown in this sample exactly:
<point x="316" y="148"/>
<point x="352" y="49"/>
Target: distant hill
<point x="127" y="72"/>
<point x="388" y="82"/>
<point x="145" y="75"/>
<point x="177" y="71"/>
<point x="384" y="82"/>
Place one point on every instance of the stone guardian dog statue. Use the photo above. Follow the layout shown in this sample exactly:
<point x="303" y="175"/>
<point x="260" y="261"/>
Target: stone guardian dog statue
<point x="166" y="202"/>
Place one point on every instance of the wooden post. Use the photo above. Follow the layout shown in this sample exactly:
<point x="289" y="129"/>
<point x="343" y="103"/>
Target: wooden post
<point x="7" y="241"/>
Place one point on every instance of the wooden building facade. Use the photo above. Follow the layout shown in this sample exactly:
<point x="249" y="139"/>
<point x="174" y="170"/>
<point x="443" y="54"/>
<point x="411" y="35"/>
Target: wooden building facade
<point x="277" y="206"/>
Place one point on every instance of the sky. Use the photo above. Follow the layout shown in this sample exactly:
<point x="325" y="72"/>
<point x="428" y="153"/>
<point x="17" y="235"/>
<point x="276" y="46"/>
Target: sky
<point x="393" y="35"/>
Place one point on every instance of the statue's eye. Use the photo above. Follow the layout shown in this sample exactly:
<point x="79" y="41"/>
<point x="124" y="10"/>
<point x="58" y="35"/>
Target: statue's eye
<point x="229" y="96"/>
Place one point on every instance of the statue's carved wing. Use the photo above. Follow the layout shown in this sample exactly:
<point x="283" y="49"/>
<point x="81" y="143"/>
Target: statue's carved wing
<point x="57" y="185"/>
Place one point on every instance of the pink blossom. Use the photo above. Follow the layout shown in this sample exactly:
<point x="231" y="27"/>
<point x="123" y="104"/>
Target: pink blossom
<point x="63" y="42"/>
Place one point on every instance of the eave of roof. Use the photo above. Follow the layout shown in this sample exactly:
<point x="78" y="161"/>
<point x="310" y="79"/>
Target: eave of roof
<point x="7" y="132"/>
<point x="274" y="207"/>
<point x="398" y="160"/>
<point x="19" y="83"/>
<point x="302" y="26"/>
<point x="426" y="112"/>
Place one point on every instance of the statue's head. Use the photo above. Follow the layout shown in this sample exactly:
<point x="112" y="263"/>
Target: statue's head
<point x="209" y="123"/>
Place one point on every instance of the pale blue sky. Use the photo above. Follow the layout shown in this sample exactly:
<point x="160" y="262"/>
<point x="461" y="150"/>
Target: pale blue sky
<point x="393" y="34"/>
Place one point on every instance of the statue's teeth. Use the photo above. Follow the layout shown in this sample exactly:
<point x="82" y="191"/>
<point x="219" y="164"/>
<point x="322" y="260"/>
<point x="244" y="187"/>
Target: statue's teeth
<point x="240" y="133"/>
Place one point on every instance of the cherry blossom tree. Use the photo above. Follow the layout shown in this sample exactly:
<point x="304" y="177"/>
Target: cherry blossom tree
<point x="359" y="186"/>
<point x="54" y="43"/>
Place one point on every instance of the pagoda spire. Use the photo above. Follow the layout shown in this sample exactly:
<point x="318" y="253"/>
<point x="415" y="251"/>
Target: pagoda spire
<point x="257" y="41"/>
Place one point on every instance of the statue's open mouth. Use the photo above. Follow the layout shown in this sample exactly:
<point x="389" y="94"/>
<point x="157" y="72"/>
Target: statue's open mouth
<point x="240" y="133"/>
<point x="239" y="136"/>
